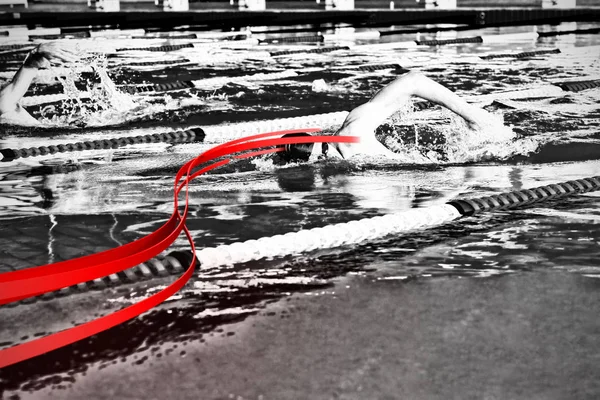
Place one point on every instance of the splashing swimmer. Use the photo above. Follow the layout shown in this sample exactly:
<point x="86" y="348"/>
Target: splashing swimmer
<point x="43" y="56"/>
<point x="362" y="121"/>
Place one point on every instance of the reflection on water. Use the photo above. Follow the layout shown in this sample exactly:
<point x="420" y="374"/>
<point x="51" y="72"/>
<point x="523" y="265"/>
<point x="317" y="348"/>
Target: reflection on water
<point x="60" y="207"/>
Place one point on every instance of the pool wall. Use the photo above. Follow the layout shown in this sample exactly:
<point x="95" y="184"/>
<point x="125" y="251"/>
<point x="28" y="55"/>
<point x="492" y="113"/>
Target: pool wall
<point x="223" y="18"/>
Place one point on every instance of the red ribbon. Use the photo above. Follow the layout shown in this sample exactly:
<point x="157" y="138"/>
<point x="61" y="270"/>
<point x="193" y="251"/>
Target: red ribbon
<point x="35" y="281"/>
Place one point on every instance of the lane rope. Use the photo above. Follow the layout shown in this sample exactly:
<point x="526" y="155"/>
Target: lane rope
<point x="188" y="135"/>
<point x="337" y="235"/>
<point x="350" y="233"/>
<point x="521" y="55"/>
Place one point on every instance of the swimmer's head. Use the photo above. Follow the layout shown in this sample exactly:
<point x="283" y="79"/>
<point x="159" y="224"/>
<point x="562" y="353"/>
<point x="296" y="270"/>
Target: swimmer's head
<point x="298" y="152"/>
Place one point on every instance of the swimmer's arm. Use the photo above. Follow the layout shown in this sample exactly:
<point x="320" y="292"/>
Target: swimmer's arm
<point x="43" y="56"/>
<point x="11" y="94"/>
<point x="364" y="119"/>
<point x="394" y="95"/>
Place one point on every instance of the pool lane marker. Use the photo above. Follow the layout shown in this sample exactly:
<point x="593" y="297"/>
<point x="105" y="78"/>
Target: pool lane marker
<point x="331" y="236"/>
<point x="188" y="135"/>
<point x="293" y="39"/>
<point x="235" y="44"/>
<point x="155" y="268"/>
<point x="211" y="133"/>
<point x="523" y="54"/>
<point x="442" y="42"/>
<point x="318" y="50"/>
<point x="172" y="47"/>
<point x="354" y="232"/>
<point x="158" y="87"/>
<point x="577" y="86"/>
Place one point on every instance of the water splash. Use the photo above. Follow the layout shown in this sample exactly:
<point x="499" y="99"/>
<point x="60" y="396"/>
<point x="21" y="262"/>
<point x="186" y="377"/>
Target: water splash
<point x="444" y="137"/>
<point x="100" y="103"/>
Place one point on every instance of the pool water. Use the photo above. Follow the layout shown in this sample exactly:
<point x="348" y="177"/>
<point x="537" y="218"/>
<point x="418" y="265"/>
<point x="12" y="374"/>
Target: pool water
<point x="499" y="305"/>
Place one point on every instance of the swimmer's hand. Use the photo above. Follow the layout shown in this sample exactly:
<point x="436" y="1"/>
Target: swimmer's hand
<point x="477" y="118"/>
<point x="50" y="54"/>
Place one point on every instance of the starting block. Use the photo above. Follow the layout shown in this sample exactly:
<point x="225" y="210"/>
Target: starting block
<point x="173" y="5"/>
<point x="336" y="4"/>
<point x="559" y="3"/>
<point x="105" y="5"/>
<point x="12" y="3"/>
<point x="254" y="5"/>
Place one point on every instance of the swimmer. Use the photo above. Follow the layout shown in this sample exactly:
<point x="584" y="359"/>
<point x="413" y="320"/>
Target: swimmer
<point x="363" y="120"/>
<point x="43" y="56"/>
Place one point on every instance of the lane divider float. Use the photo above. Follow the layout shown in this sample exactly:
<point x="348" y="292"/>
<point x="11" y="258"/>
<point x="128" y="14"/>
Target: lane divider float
<point x="293" y="39"/>
<point x="442" y="42"/>
<point x="337" y="235"/>
<point x="170" y="37"/>
<point x="577" y="86"/>
<point x="188" y="135"/>
<point x="172" y="47"/>
<point x="173" y="263"/>
<point x="521" y="54"/>
<point x="157" y="63"/>
<point x="308" y="51"/>
<point x="354" y="232"/>
<point x="158" y="87"/>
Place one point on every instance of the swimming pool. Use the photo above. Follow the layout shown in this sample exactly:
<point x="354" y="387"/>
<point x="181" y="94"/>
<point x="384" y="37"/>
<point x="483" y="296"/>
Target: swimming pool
<point x="385" y="318"/>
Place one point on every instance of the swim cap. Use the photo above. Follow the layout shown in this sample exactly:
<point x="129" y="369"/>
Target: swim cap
<point x="296" y="152"/>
